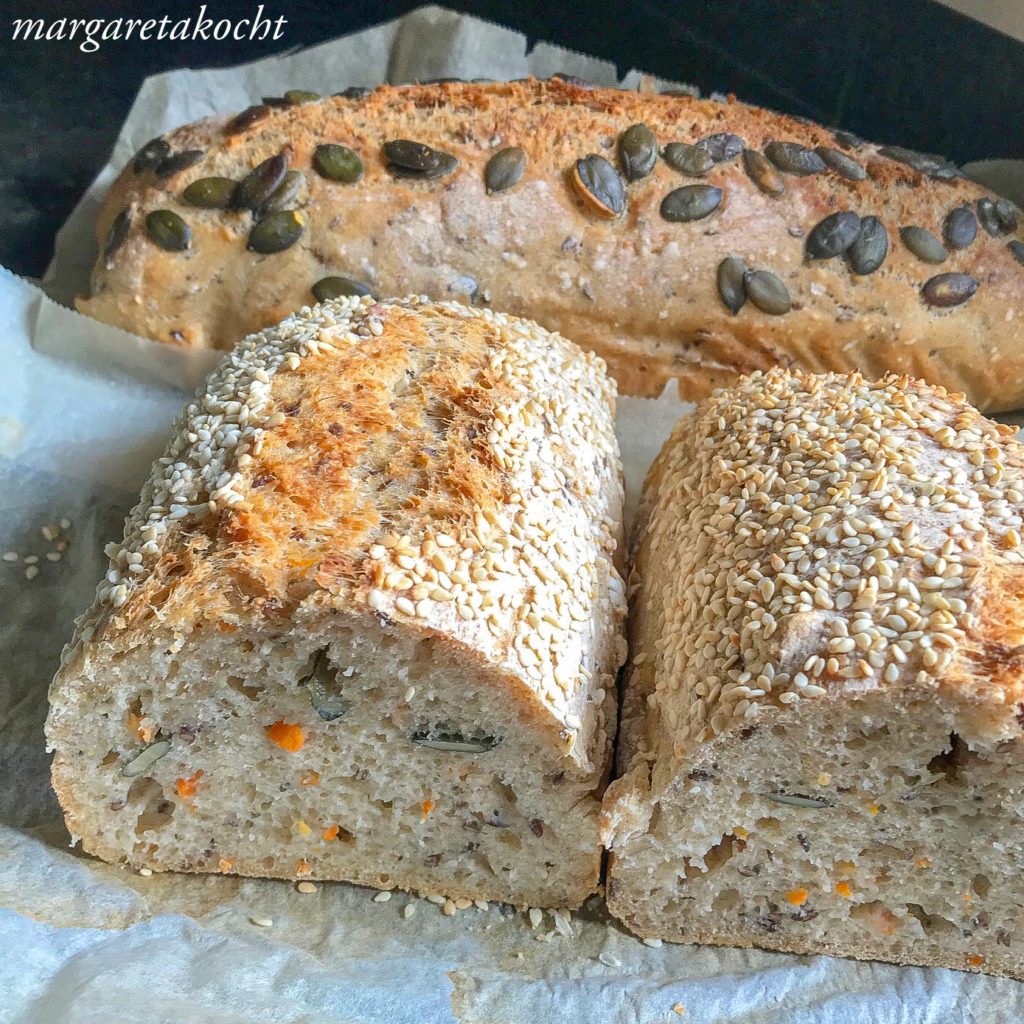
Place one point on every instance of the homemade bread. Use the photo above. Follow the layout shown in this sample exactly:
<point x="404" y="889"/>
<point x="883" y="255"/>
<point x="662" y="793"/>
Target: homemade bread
<point x="366" y="618"/>
<point x="822" y="739"/>
<point x="678" y="238"/>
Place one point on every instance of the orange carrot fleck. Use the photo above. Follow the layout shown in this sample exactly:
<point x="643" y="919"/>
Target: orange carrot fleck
<point x="874" y="808"/>
<point x="303" y="867"/>
<point x="843" y="888"/>
<point x="740" y="832"/>
<point x="227" y="627"/>
<point x="427" y="806"/>
<point x="331" y="833"/>
<point x="797" y="897"/>
<point x="975" y="961"/>
<point x="226" y="865"/>
<point x="924" y="862"/>
<point x="288" y="737"/>
<point x="310" y="778"/>
<point x="187" y="787"/>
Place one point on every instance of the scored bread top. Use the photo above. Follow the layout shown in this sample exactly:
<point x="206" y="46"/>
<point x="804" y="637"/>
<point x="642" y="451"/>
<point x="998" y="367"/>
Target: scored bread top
<point x="450" y="470"/>
<point x="803" y="537"/>
<point x="639" y="287"/>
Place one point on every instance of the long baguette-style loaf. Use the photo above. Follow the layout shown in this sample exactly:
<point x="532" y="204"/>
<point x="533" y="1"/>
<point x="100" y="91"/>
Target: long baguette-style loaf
<point x="822" y="739"/>
<point x="366" y="618"/>
<point x="846" y="256"/>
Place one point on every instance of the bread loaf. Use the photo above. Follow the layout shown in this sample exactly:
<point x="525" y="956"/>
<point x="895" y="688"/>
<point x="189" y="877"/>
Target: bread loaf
<point x="366" y="618"/>
<point x="752" y="240"/>
<point x="822" y="738"/>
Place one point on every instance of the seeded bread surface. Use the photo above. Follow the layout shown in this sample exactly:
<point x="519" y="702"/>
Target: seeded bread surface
<point x="365" y="621"/>
<point x="822" y="736"/>
<point x="639" y="289"/>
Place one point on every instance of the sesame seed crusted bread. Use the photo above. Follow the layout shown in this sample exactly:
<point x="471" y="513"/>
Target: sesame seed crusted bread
<point x="544" y="200"/>
<point x="366" y="618"/>
<point x="821" y="744"/>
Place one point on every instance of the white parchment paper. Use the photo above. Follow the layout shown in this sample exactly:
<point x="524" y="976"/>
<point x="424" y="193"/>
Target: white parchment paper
<point x="84" y="410"/>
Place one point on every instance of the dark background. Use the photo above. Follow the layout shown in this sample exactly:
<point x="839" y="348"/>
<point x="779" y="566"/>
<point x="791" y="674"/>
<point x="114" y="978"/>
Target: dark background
<point x="906" y="71"/>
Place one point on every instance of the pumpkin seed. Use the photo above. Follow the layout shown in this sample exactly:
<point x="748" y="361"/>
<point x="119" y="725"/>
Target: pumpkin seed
<point x="932" y="164"/>
<point x="334" y="287"/>
<point x="354" y="92"/>
<point x="276" y="232"/>
<point x="209" y="193"/>
<point x="116" y="234"/>
<point x="152" y="153"/>
<point x="946" y="290"/>
<point x="454" y="742"/>
<point x="323" y="689"/>
<point x="869" y="250"/>
<point x="833" y="235"/>
<point x="168" y="230"/>
<point x="504" y="169"/>
<point x="146" y="758"/>
<point x="799" y="800"/>
<point x="247" y="118"/>
<point x="638" y="151"/>
<point x="258" y="185"/>
<point x="171" y="165"/>
<point x="691" y="202"/>
<point x="731" y="272"/>
<point x="417" y="160"/>
<point x="793" y="158"/>
<point x="600" y="185"/>
<point x="1006" y="214"/>
<point x="296" y="97"/>
<point x="282" y="197"/>
<point x="687" y="159"/>
<point x="848" y="139"/>
<point x="721" y="146"/>
<point x="960" y="227"/>
<point x="762" y="173"/>
<point x="766" y="291"/>
<point x="339" y="163"/>
<point x="1016" y="251"/>
<point x="989" y="218"/>
<point x="923" y="244"/>
<point x="843" y="165"/>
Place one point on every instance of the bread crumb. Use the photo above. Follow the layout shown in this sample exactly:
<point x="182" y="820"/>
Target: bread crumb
<point x="306" y="887"/>
<point x="449" y="908"/>
<point x="679" y="1008"/>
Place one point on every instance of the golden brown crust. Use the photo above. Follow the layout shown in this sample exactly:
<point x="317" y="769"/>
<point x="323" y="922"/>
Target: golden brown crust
<point x="638" y="290"/>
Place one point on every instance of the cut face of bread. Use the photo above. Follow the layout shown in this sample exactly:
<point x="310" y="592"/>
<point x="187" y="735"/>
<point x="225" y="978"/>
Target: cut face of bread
<point x="377" y="639"/>
<point x="822" y="729"/>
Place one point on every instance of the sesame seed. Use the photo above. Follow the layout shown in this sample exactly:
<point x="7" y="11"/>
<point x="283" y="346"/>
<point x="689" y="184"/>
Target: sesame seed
<point x="146" y="872"/>
<point x="306" y="888"/>
<point x="11" y="556"/>
<point x="536" y="915"/>
<point x="408" y="910"/>
<point x="382" y="897"/>
<point x="32" y="572"/>
<point x="262" y="922"/>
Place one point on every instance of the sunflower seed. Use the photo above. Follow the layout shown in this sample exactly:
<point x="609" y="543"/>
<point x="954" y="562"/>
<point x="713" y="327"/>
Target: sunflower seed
<point x="989" y="218"/>
<point x="848" y="139"/>
<point x="960" y="227"/>
<point x="1016" y="250"/>
<point x="209" y="193"/>
<point x="276" y="232"/>
<point x="731" y="272"/>
<point x="276" y="101"/>
<point x="681" y="93"/>
<point x="416" y="160"/>
<point x="171" y="165"/>
<point x="455" y="742"/>
<point x="334" y="287"/>
<point x="869" y="250"/>
<point x="638" y="151"/>
<point x="440" y="81"/>
<point x="146" y="758"/>
<point x="323" y="689"/>
<point x="932" y="164"/>
<point x="721" y="146"/>
<point x="762" y="173"/>
<point x="923" y="244"/>
<point x="258" y="185"/>
<point x="339" y="163"/>
<point x="296" y="97"/>
<point x="600" y="185"/>
<point x="116" y="234"/>
<point x="833" y="235"/>
<point x="945" y="290"/>
<point x="504" y="169"/>
<point x="282" y="197"/>
<point x="687" y="159"/>
<point x="843" y="165"/>
<point x="354" y="92"/>
<point x="1006" y="215"/>
<point x="766" y="291"/>
<point x="152" y="153"/>
<point x="168" y="230"/>
<point x="798" y="800"/>
<point x="247" y="118"/>
<point x="691" y="202"/>
<point x="793" y="158"/>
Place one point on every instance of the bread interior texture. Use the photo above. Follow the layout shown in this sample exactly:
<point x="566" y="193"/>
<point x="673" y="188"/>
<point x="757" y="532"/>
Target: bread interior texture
<point x="339" y="748"/>
<point x="871" y="826"/>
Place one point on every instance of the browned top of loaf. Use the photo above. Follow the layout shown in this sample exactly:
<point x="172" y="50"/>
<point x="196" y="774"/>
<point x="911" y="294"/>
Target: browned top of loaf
<point x="401" y="460"/>
<point x="638" y="289"/>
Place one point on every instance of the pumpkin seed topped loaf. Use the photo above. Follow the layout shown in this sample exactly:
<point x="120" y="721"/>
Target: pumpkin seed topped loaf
<point x="678" y="238"/>
<point x="822" y="738"/>
<point x="366" y="618"/>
